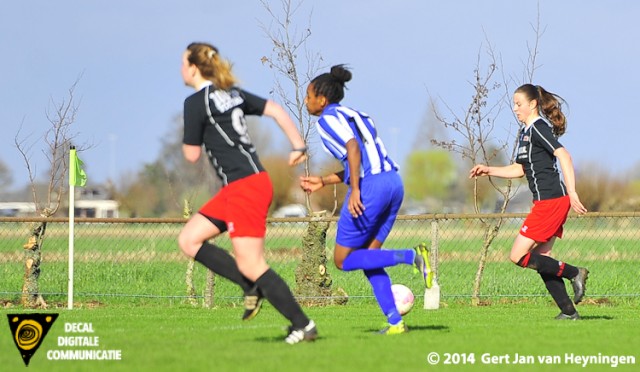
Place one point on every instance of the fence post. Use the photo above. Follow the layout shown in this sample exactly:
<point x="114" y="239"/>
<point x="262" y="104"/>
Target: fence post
<point x="191" y="290"/>
<point x="435" y="244"/>
<point x="432" y="295"/>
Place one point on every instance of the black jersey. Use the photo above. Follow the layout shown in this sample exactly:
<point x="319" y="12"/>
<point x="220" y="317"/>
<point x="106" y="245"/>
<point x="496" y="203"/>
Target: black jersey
<point x="535" y="152"/>
<point x="216" y="118"/>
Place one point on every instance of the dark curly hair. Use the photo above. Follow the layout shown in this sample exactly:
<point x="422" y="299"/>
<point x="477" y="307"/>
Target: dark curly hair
<point x="331" y="84"/>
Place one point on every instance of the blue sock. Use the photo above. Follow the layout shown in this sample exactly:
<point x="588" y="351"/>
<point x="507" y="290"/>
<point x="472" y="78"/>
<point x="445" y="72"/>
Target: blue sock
<point x="366" y="259"/>
<point x="381" y="284"/>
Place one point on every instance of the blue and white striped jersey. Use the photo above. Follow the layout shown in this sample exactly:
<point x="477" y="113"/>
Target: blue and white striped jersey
<point x="338" y="124"/>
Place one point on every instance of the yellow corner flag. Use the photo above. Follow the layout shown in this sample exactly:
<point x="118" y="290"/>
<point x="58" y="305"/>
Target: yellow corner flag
<point x="77" y="176"/>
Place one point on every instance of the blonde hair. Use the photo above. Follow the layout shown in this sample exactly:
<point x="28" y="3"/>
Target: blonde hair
<point x="212" y="67"/>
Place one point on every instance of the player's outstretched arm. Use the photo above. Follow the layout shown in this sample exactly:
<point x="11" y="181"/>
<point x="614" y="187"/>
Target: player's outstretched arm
<point x="514" y="170"/>
<point x="299" y="149"/>
<point x="314" y="183"/>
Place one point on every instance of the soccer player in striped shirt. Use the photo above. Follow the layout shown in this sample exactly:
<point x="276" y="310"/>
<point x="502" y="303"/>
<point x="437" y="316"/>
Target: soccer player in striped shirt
<point x="374" y="196"/>
<point x="538" y="148"/>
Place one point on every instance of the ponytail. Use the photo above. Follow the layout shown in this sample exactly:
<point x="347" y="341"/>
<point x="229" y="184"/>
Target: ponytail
<point x="551" y="107"/>
<point x="211" y="65"/>
<point x="549" y="104"/>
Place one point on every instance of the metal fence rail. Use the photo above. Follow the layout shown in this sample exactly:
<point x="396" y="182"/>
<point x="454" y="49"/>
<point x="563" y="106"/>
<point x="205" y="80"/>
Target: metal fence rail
<point x="138" y="261"/>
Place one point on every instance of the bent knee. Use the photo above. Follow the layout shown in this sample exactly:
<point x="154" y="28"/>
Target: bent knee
<point x="338" y="262"/>
<point x="517" y="258"/>
<point x="252" y="269"/>
<point x="188" y="246"/>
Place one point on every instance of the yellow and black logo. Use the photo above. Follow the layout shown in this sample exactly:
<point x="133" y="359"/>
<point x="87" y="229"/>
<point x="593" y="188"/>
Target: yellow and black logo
<point x="28" y="331"/>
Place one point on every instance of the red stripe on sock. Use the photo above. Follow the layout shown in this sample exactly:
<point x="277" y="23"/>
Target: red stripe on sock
<point x="561" y="269"/>
<point x="525" y="259"/>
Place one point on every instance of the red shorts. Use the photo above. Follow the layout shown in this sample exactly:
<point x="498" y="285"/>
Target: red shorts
<point x="242" y="206"/>
<point x="546" y="219"/>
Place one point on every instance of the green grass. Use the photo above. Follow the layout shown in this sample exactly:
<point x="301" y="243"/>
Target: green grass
<point x="136" y="277"/>
<point x="181" y="338"/>
<point x="163" y="283"/>
<point x="132" y="281"/>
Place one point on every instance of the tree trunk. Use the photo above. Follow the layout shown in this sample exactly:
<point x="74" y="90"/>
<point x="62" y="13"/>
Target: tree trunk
<point x="490" y="234"/>
<point x="210" y="289"/>
<point x="31" y="296"/>
<point x="191" y="289"/>
<point x="314" y="283"/>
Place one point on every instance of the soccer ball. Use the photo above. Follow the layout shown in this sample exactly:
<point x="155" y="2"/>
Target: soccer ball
<point x="403" y="297"/>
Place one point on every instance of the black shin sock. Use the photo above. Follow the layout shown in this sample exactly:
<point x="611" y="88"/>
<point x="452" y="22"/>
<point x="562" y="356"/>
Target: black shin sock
<point x="274" y="289"/>
<point x="547" y="265"/>
<point x="555" y="286"/>
<point x="220" y="262"/>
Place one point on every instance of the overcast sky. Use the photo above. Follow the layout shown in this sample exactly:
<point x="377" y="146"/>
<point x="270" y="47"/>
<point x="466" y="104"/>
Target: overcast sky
<point x="128" y="55"/>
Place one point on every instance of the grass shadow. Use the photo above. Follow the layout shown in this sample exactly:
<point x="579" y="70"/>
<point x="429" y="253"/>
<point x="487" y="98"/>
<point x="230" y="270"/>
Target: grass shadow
<point x="280" y="340"/>
<point x="596" y="317"/>
<point x="414" y="328"/>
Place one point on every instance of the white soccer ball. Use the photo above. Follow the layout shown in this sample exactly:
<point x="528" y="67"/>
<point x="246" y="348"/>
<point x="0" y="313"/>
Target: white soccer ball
<point x="403" y="297"/>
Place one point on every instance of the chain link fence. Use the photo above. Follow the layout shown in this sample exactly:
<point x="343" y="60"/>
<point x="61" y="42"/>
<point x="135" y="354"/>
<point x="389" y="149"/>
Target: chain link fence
<point x="137" y="261"/>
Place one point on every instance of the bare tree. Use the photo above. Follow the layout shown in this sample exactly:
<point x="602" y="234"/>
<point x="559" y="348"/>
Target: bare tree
<point x="289" y="47"/>
<point x="57" y="139"/>
<point x="480" y="144"/>
<point x="531" y="65"/>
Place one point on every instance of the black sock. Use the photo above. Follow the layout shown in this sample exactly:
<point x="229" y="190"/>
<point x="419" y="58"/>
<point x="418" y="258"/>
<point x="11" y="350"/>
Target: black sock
<point x="220" y="262"/>
<point x="274" y="289"/>
<point x="555" y="286"/>
<point x="547" y="265"/>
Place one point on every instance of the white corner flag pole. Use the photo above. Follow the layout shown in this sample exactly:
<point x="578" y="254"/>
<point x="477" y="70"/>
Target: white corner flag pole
<point x="78" y="177"/>
<point x="71" y="234"/>
<point x="72" y="209"/>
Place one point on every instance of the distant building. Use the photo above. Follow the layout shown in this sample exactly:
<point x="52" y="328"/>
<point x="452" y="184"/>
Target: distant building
<point x="290" y="210"/>
<point x="83" y="208"/>
<point x="17" y="209"/>
<point x="96" y="208"/>
<point x="95" y="203"/>
<point x="91" y="203"/>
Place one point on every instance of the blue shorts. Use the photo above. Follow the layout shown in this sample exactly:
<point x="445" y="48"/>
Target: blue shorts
<point x="382" y="196"/>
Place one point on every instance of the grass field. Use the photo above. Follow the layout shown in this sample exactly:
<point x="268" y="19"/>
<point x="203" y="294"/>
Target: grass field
<point x="143" y="260"/>
<point x="133" y="277"/>
<point x="183" y="338"/>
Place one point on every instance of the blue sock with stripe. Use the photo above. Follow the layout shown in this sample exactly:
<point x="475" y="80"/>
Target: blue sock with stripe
<point x="368" y="259"/>
<point x="381" y="285"/>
